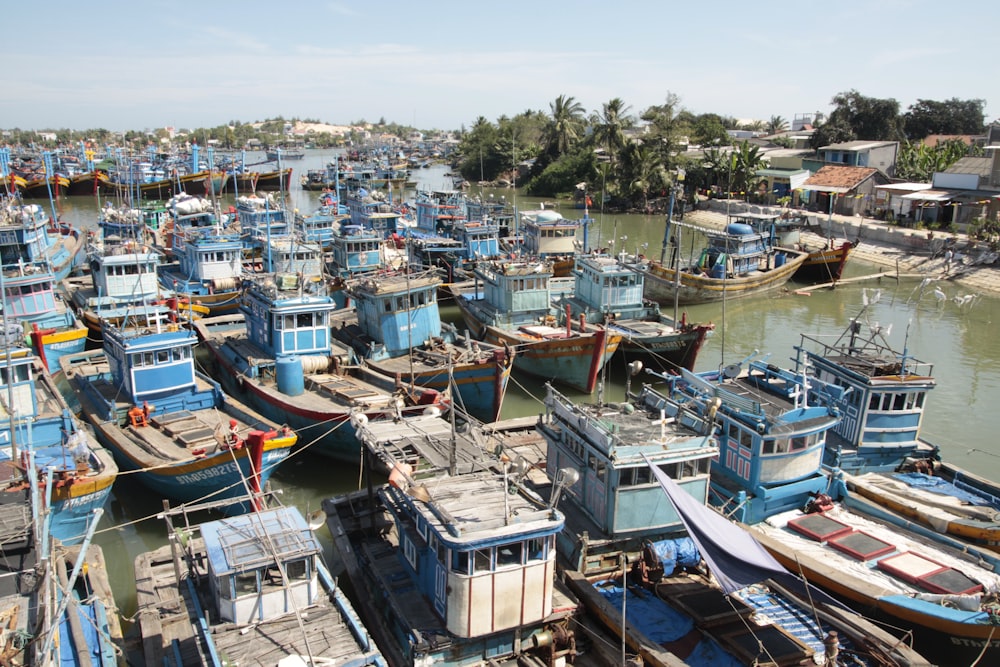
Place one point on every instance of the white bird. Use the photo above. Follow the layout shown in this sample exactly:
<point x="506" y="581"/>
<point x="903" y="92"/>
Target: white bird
<point x="939" y="295"/>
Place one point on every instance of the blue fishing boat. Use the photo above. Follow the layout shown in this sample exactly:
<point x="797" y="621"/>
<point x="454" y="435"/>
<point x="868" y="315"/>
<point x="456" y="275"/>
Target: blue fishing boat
<point x="30" y="299"/>
<point x="608" y="293"/>
<point x="634" y="550"/>
<point x="319" y="226"/>
<point x="373" y="212"/>
<point x="510" y="304"/>
<point x="280" y="353"/>
<point x="142" y="223"/>
<point x="261" y="217"/>
<point x="174" y="427"/>
<point x="356" y="251"/>
<point x="448" y="544"/>
<point x="75" y="474"/>
<point x="884" y="407"/>
<point x="771" y="476"/>
<point x="208" y="271"/>
<point x="188" y="215"/>
<point x="397" y="331"/>
<point x="497" y="211"/>
<point x="438" y="211"/>
<point x="259" y="591"/>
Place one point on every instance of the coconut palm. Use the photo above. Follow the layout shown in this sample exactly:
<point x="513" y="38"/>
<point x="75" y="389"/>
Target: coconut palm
<point x="566" y="124"/>
<point x="645" y="170"/>
<point x="610" y="126"/>
<point x="777" y="124"/>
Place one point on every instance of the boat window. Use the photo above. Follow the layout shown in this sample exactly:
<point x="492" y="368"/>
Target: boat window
<point x="746" y="438"/>
<point x="226" y="588"/>
<point x="920" y="399"/>
<point x="642" y="475"/>
<point x="182" y="352"/>
<point x="799" y="443"/>
<point x="734" y="433"/>
<point x="483" y="561"/>
<point x="899" y="402"/>
<point x="671" y="470"/>
<point x="305" y="320"/>
<point x="163" y="356"/>
<point x="509" y="554"/>
<point x="460" y="562"/>
<point x="297" y="570"/>
<point x="692" y="468"/>
<point x="388" y="305"/>
<point x="246" y="583"/>
<point x="410" y="551"/>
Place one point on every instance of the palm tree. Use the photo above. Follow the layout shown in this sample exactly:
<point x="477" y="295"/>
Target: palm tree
<point x="777" y="124"/>
<point x="566" y="125"/>
<point x="646" y="171"/>
<point x="610" y="126"/>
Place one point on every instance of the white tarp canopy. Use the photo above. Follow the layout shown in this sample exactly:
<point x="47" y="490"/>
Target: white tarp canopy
<point x="930" y="195"/>
<point x="825" y="188"/>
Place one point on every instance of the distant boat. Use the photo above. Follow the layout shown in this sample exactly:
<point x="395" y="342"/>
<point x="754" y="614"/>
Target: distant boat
<point x="285" y="155"/>
<point x="510" y="304"/>
<point x="609" y="294"/>
<point x="733" y="263"/>
<point x="173" y="427"/>
<point x="825" y="263"/>
<point x="549" y="236"/>
<point x="397" y="331"/>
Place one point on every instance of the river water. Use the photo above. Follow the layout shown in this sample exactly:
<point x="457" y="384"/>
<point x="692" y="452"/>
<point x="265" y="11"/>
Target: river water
<point x="961" y="342"/>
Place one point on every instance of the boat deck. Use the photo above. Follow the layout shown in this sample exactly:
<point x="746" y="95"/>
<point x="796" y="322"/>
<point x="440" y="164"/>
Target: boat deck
<point x="171" y="635"/>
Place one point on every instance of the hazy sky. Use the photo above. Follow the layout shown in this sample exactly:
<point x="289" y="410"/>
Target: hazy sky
<point x="441" y="64"/>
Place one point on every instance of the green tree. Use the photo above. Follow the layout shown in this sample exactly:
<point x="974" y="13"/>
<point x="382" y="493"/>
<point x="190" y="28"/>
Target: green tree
<point x="565" y="125"/>
<point x="643" y="171"/>
<point x="919" y="162"/>
<point x="953" y="116"/>
<point x="777" y="124"/>
<point x="831" y="132"/>
<point x="869" y="118"/>
<point x="664" y="129"/>
<point x="610" y="126"/>
<point x="709" y="129"/>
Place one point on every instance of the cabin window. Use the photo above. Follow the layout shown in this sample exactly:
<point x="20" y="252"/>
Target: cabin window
<point x="20" y="374"/>
<point x="734" y="433"/>
<point x="163" y="356"/>
<point x="530" y="283"/>
<point x="297" y="570"/>
<point x="410" y="551"/>
<point x="182" y="353"/>
<point x="304" y="320"/>
<point x="226" y="588"/>
<point x="483" y="561"/>
<point x="899" y="402"/>
<point x="509" y="554"/>
<point x="875" y="402"/>
<point x="643" y="475"/>
<point x="460" y="562"/>
<point x="536" y="549"/>
<point x="246" y="583"/>
<point x="746" y="438"/>
<point x="920" y="399"/>
<point x="800" y="442"/>
<point x="671" y="470"/>
<point x="388" y="305"/>
<point x="695" y="467"/>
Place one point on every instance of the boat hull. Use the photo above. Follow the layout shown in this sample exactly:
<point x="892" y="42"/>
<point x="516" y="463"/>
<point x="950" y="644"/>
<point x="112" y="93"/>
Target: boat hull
<point x="825" y="265"/>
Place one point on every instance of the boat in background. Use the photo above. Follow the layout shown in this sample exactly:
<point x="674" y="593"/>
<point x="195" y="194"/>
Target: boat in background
<point x="510" y="304"/>
<point x="173" y="427"/>
<point x="29" y="236"/>
<point x="547" y="235"/>
<point x="824" y="263"/>
<point x="243" y="182"/>
<point x="258" y="590"/>
<point x="397" y="331"/>
<point x="208" y="271"/>
<point x="607" y="293"/>
<point x="734" y="263"/>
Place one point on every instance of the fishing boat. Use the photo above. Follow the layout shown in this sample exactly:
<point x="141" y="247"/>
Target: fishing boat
<point x="510" y="304"/>
<point x="172" y="426"/>
<point x="75" y="474"/>
<point x="279" y="352"/>
<point x="438" y="211"/>
<point x="734" y="263"/>
<point x="547" y="235"/>
<point x="884" y="407"/>
<point x="607" y="293"/>
<point x="87" y="628"/>
<point x="252" y="181"/>
<point x="30" y="299"/>
<point x="319" y="226"/>
<point x="209" y="269"/>
<point x="371" y="211"/>
<point x="462" y="539"/>
<point x="632" y="551"/>
<point x="257" y="589"/>
<point x="356" y="251"/>
<point x="398" y="332"/>
<point x="824" y="262"/>
<point x="142" y="223"/>
<point x="261" y="216"/>
<point x="28" y="236"/>
<point x="770" y="476"/>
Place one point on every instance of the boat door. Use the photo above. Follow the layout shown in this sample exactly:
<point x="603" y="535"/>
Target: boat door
<point x="440" y="588"/>
<point x="595" y="488"/>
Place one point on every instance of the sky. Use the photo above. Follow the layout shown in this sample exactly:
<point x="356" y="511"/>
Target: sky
<point x="440" y="64"/>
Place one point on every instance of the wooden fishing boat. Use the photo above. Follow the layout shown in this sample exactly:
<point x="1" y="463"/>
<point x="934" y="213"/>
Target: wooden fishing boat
<point x="607" y="293"/>
<point x="397" y="331"/>
<point x="824" y="262"/>
<point x="173" y="426"/>
<point x="280" y="353"/>
<point x="67" y="464"/>
<point x="252" y="181"/>
<point x="734" y="263"/>
<point x="510" y="304"/>
<point x="29" y="236"/>
<point x="259" y="591"/>
<point x="209" y="268"/>
<point x="547" y="235"/>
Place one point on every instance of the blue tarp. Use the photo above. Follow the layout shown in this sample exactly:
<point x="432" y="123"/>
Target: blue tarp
<point x="662" y="624"/>
<point x="680" y="552"/>
<point x="937" y="485"/>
